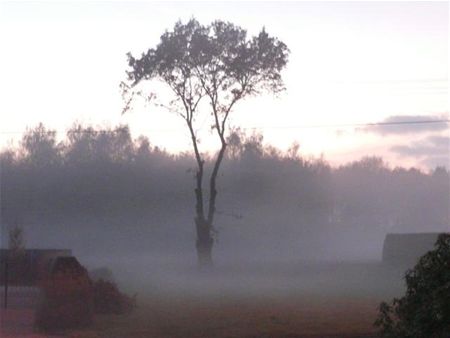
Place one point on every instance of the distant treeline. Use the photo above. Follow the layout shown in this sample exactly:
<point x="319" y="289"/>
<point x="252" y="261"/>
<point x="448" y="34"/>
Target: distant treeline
<point x="104" y="175"/>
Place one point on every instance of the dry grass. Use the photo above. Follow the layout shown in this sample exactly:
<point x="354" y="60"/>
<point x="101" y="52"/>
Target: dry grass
<point x="190" y="316"/>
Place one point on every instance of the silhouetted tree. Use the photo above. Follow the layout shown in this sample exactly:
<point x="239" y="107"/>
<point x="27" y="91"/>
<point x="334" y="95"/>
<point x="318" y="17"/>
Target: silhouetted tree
<point x="219" y="63"/>
<point x="16" y="254"/>
<point x="111" y="145"/>
<point x="39" y="146"/>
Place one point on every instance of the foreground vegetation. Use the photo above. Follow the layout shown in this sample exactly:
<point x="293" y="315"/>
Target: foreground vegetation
<point x="424" y="311"/>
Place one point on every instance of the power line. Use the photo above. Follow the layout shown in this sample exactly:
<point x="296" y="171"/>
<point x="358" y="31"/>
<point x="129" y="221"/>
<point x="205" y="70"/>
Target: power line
<point x="398" y="81"/>
<point x="313" y="126"/>
<point x="445" y="121"/>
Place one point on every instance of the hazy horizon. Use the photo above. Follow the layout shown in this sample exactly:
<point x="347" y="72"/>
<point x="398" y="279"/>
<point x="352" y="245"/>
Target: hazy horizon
<point x="351" y="63"/>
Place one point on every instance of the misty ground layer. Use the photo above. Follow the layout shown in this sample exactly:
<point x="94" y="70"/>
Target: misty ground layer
<point x="257" y="277"/>
<point x="306" y="299"/>
<point x="247" y="299"/>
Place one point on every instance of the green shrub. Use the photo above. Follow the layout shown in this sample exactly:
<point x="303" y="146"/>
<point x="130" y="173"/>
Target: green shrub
<point x="424" y="311"/>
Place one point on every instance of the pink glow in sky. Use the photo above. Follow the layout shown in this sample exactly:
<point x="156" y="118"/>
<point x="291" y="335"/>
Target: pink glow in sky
<point x="350" y="63"/>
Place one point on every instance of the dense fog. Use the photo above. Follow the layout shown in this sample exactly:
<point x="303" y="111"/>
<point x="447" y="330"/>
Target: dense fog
<point x="112" y="200"/>
<point x="106" y="188"/>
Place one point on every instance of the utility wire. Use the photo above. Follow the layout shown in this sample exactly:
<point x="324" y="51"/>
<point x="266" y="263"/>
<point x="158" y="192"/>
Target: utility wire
<point x="375" y="124"/>
<point x="445" y="121"/>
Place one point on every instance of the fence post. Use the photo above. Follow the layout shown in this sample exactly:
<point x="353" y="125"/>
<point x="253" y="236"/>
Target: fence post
<point x="6" y="281"/>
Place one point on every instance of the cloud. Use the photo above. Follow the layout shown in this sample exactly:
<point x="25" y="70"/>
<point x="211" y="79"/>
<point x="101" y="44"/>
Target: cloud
<point x="433" y="150"/>
<point x="408" y="124"/>
<point x="440" y="141"/>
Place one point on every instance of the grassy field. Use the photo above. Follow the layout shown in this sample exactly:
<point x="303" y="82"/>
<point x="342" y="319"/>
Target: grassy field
<point x="239" y="317"/>
<point x="306" y="300"/>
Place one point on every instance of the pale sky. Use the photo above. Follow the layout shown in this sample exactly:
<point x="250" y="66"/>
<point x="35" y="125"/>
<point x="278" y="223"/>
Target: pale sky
<point x="350" y="63"/>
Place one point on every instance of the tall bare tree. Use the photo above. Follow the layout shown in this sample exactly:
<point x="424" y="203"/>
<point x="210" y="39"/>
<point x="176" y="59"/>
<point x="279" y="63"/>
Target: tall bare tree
<point x="218" y="64"/>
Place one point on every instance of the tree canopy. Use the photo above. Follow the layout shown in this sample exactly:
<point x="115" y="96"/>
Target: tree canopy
<point x="216" y="62"/>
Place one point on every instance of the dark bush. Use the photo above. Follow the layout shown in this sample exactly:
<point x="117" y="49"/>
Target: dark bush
<point x="109" y="300"/>
<point x="67" y="302"/>
<point x="67" y="298"/>
<point x="424" y="312"/>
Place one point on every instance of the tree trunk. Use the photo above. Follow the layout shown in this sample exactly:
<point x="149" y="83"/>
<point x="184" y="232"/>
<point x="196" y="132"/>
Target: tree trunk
<point x="204" y="244"/>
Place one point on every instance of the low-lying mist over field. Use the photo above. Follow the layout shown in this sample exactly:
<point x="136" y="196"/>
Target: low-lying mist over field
<point x="125" y="205"/>
<point x="283" y="223"/>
